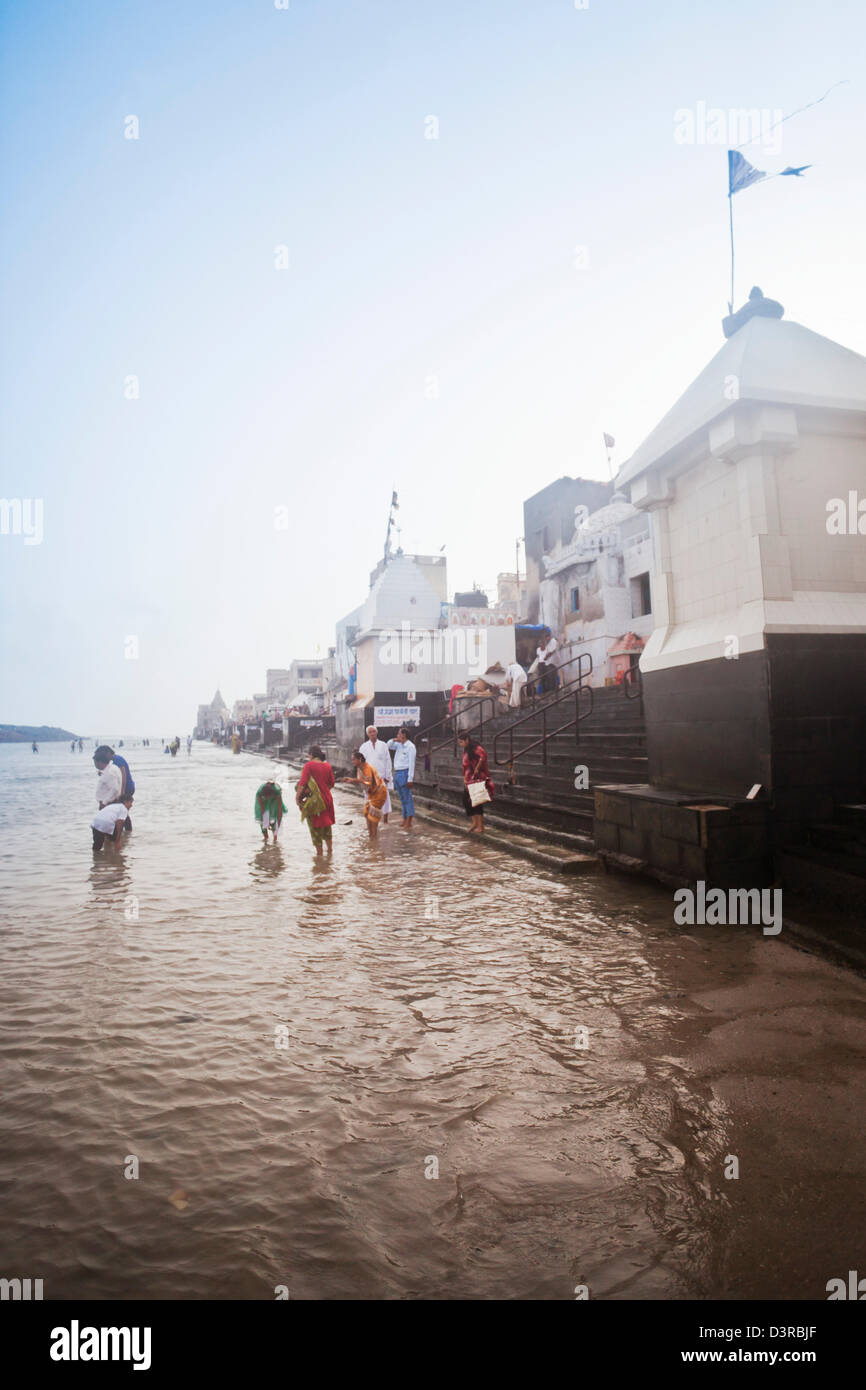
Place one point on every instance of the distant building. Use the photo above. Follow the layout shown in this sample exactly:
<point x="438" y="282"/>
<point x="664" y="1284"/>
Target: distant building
<point x="511" y="595"/>
<point x="278" y="683"/>
<point x="548" y="521"/>
<point x="211" y="718"/>
<point x="594" y="593"/>
<point x="306" y="684"/>
<point x="472" y="598"/>
<point x="405" y="645"/>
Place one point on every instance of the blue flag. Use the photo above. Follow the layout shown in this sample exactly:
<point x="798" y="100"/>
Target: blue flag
<point x="742" y="174"/>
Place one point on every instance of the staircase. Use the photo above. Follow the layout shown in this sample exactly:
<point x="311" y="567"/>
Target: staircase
<point x="537" y="797"/>
<point x="830" y="865"/>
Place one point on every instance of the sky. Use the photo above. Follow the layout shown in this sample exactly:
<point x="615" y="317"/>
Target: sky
<point x="357" y="246"/>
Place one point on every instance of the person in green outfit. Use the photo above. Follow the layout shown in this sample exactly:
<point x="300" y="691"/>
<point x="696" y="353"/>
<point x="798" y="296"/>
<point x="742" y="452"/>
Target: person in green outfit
<point x="269" y="808"/>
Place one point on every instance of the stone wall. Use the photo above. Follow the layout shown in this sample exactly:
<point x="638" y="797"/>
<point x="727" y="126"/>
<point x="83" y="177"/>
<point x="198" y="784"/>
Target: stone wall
<point x="680" y="842"/>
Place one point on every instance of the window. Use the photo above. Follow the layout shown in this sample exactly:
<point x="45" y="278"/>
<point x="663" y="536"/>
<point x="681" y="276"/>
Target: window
<point x="641" y="603"/>
<point x="575" y="600"/>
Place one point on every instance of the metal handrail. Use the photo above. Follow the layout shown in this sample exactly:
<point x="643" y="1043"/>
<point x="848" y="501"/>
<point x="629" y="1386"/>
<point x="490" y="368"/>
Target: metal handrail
<point x="633" y="683"/>
<point x="452" y="737"/>
<point x="563" y="687"/>
<point x="576" y="689"/>
<point x="494" y="701"/>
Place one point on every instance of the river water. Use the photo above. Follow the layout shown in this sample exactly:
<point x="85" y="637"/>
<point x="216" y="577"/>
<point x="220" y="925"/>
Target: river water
<point x="430" y="991"/>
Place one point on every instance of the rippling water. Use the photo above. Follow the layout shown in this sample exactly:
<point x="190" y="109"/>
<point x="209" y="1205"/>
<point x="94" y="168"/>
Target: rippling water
<point x="431" y="989"/>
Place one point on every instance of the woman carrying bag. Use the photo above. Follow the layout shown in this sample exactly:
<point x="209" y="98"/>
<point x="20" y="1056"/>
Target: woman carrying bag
<point x="313" y="796"/>
<point x="478" y="788"/>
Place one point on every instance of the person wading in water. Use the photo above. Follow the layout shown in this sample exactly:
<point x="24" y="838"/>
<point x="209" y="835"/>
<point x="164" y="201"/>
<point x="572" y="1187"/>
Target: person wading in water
<point x="269" y="808"/>
<point x="313" y="796"/>
<point x="375" y="792"/>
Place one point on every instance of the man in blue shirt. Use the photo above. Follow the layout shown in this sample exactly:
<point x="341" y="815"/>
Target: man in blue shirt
<point x="404" y="775"/>
<point x="128" y="791"/>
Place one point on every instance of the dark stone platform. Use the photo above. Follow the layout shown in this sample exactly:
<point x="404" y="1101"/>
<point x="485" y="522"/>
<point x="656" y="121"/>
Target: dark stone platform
<point x="679" y="838"/>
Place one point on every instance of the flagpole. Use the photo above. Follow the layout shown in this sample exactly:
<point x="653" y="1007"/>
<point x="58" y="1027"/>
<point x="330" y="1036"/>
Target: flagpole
<point x="607" y="455"/>
<point x="731" y="215"/>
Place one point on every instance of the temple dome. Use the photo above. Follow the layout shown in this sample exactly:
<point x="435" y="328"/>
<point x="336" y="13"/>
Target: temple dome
<point x="770" y="361"/>
<point x="618" y="509"/>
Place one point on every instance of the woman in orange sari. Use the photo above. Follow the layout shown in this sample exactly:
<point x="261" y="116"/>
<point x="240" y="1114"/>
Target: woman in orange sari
<point x="375" y="792"/>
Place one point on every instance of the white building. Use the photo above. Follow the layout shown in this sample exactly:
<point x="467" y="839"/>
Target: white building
<point x="405" y="652"/>
<point x="306" y="684"/>
<point x="278" y="683"/>
<point x="595" y="587"/>
<point x="754" y="671"/>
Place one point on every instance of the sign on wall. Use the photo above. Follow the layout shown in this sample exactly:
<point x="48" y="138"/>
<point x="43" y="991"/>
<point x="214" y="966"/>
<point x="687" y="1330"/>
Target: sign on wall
<point x="397" y="714"/>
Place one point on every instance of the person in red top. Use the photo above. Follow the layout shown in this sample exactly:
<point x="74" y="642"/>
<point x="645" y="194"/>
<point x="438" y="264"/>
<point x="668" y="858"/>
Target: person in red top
<point x="475" y="769"/>
<point x="320" y="772"/>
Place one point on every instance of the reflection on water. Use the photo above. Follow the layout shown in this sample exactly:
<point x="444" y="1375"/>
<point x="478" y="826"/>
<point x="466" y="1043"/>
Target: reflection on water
<point x="267" y="862"/>
<point x="288" y="1042"/>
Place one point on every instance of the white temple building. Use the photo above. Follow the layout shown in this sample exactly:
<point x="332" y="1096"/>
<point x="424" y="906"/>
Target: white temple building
<point x="755" y="670"/>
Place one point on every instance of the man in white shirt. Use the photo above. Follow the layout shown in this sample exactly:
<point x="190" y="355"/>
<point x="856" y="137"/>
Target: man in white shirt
<point x="404" y="775"/>
<point x="515" y="680"/>
<point x="109" y="783"/>
<point x="108" y="823"/>
<point x="377" y="755"/>
<point x="546" y="665"/>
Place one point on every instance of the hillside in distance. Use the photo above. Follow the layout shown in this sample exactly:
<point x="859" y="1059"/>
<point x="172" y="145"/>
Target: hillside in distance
<point x="28" y="733"/>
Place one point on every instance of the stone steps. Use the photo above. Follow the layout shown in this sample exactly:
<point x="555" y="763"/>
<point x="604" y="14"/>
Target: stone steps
<point x="539" y="796"/>
<point x="549" y="813"/>
<point x="830" y="866"/>
<point x="839" y="838"/>
<point x="556" y="856"/>
<point x="802" y="873"/>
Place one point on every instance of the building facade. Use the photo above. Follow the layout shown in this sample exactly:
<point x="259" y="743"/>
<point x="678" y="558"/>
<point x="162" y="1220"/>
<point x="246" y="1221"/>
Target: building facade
<point x="595" y="592"/>
<point x="755" y="671"/>
<point x="549" y="521"/>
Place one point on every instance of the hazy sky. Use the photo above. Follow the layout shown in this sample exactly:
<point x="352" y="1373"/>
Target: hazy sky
<point x="409" y="258"/>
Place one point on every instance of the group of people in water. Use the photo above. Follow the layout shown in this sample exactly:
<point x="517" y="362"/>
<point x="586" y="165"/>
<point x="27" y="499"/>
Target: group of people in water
<point x="379" y="766"/>
<point x="115" y="790"/>
<point x="373" y="769"/>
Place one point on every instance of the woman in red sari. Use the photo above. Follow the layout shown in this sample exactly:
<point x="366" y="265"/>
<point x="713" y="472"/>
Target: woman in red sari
<point x="475" y="769"/>
<point x="320" y="772"/>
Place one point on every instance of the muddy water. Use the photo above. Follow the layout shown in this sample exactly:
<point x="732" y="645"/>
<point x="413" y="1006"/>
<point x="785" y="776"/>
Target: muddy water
<point x="430" y="991"/>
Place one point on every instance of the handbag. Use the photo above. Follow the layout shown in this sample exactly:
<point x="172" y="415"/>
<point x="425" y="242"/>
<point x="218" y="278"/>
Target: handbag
<point x="478" y="793"/>
<point x="312" y="802"/>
